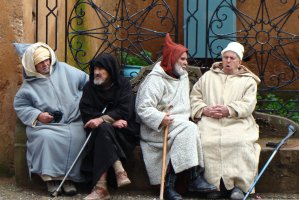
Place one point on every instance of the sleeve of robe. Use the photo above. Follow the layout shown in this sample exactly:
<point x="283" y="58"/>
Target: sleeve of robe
<point x="79" y="77"/>
<point x="88" y="105"/>
<point x="245" y="106"/>
<point x="123" y="106"/>
<point x="196" y="100"/>
<point x="82" y="80"/>
<point x="24" y="108"/>
<point x="148" y="97"/>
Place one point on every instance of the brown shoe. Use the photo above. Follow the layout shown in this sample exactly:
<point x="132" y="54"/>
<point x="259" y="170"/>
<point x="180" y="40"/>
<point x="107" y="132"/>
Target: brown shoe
<point x="122" y="179"/>
<point x="98" y="193"/>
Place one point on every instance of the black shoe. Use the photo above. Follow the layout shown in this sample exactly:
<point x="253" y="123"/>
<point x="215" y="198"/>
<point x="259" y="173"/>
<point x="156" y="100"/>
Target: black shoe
<point x="199" y="184"/>
<point x="237" y="194"/>
<point x="171" y="194"/>
<point x="214" y="195"/>
<point x="170" y="179"/>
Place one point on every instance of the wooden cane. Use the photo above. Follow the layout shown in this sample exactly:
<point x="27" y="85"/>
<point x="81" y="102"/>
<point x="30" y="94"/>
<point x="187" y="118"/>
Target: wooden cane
<point x="164" y="162"/>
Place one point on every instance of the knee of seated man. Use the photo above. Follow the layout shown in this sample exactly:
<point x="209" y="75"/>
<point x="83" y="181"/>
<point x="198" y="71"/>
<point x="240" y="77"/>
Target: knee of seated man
<point x="190" y="127"/>
<point x="104" y="128"/>
<point x="189" y="130"/>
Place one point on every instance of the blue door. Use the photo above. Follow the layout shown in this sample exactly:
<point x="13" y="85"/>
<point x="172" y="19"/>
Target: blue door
<point x="199" y="29"/>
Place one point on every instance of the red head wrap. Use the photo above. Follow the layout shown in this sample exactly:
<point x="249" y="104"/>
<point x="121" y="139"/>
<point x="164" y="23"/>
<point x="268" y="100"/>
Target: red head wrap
<point x="171" y="54"/>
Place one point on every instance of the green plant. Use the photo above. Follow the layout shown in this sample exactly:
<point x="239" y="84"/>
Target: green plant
<point x="140" y="60"/>
<point x="273" y="104"/>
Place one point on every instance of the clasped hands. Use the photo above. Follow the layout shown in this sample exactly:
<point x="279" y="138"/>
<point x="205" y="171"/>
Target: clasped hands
<point x="217" y="111"/>
<point x="94" y="123"/>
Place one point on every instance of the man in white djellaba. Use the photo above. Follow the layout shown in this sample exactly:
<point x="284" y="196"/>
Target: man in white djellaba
<point x="168" y="85"/>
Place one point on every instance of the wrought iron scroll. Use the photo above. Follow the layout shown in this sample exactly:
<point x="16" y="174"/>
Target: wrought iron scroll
<point x="50" y="14"/>
<point x="265" y="37"/>
<point x="122" y="32"/>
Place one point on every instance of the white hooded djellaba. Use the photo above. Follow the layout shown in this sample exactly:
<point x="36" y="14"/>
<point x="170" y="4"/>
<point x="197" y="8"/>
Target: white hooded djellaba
<point x="229" y="144"/>
<point x="158" y="91"/>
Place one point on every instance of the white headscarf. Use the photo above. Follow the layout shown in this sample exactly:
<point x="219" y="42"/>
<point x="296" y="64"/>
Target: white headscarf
<point x="30" y="58"/>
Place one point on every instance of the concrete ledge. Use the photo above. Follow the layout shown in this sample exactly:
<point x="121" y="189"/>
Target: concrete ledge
<point x="282" y="174"/>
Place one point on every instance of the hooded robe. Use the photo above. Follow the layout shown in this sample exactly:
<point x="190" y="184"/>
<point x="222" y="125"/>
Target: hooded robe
<point x="52" y="147"/>
<point x="160" y="89"/>
<point x="229" y="144"/>
<point x="107" y="143"/>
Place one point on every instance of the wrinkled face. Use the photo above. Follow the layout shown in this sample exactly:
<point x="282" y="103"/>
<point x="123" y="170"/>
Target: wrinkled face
<point x="182" y="61"/>
<point x="100" y="75"/>
<point x="180" y="66"/>
<point x="43" y="67"/>
<point x="231" y="62"/>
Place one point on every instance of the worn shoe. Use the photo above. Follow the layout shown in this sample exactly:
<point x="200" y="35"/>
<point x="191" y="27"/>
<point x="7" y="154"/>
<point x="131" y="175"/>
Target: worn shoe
<point x="237" y="194"/>
<point x="122" y="179"/>
<point x="52" y="187"/>
<point x="170" y="180"/>
<point x="171" y="194"/>
<point x="69" y="188"/>
<point x="199" y="184"/>
<point x="98" y="193"/>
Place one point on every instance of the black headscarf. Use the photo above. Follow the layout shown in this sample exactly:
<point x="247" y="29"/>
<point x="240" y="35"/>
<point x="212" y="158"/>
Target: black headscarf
<point x="105" y="92"/>
<point x="108" y="62"/>
<point x="117" y="94"/>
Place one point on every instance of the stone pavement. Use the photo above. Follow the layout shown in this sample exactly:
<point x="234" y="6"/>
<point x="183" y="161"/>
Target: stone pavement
<point x="9" y="191"/>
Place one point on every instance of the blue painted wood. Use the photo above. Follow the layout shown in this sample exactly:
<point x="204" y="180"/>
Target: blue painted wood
<point x="197" y="17"/>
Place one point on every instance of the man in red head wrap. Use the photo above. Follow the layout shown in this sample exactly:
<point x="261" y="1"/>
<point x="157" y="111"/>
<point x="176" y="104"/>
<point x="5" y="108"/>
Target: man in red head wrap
<point x="168" y="85"/>
<point x="171" y="54"/>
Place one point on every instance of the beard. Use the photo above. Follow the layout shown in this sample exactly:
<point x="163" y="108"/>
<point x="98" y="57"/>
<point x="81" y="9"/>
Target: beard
<point x="98" y="81"/>
<point x="179" y="70"/>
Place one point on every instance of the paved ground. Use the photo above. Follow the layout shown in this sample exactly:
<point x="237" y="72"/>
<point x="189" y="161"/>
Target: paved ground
<point x="9" y="191"/>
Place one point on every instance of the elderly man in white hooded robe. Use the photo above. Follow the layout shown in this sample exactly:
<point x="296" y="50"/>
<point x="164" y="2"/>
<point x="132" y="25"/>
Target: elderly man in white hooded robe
<point x="222" y="101"/>
<point x="168" y="85"/>
<point x="48" y="104"/>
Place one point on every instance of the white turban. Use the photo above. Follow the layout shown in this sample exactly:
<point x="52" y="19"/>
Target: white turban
<point x="32" y="56"/>
<point x="41" y="54"/>
<point x="234" y="47"/>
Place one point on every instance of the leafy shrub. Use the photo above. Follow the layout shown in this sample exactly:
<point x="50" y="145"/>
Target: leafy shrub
<point x="140" y="60"/>
<point x="273" y="104"/>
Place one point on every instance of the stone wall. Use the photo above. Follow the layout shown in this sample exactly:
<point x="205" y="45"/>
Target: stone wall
<point x="11" y="29"/>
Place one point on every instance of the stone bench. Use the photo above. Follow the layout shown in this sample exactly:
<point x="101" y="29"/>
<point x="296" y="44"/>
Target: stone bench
<point x="282" y="175"/>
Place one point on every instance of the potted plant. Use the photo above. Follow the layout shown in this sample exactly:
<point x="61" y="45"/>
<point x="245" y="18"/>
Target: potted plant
<point x="133" y="63"/>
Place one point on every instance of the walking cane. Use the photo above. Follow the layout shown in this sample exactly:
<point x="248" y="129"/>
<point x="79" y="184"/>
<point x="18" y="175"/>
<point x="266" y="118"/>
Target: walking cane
<point x="291" y="131"/>
<point x="75" y="161"/>
<point x="164" y="157"/>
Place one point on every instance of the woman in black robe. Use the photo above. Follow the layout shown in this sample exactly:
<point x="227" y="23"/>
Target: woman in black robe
<point x="112" y="102"/>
